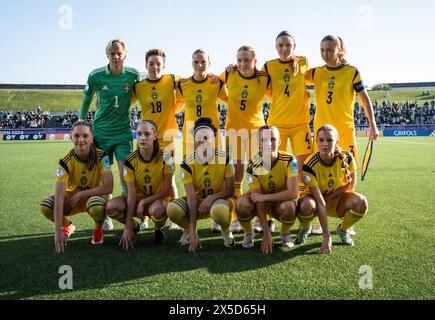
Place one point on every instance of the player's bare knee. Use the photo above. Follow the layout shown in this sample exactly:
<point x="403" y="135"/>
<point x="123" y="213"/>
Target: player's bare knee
<point x="362" y="204"/>
<point x="287" y="209"/>
<point x="307" y="207"/>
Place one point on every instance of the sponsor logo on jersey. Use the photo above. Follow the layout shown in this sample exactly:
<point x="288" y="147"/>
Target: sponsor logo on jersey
<point x="105" y="88"/>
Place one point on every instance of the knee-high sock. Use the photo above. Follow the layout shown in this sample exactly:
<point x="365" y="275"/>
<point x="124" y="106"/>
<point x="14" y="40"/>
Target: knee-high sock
<point x="47" y="210"/>
<point x="304" y="221"/>
<point x="96" y="209"/>
<point x="350" y="218"/>
<point x="220" y="213"/>
<point x="176" y="211"/>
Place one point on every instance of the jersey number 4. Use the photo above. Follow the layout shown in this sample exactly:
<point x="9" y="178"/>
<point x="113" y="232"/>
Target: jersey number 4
<point x="286" y="92"/>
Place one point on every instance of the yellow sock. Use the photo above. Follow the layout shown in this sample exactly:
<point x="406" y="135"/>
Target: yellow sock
<point x="96" y="209"/>
<point x="47" y="210"/>
<point x="238" y="189"/>
<point x="246" y="225"/>
<point x="220" y="213"/>
<point x="177" y="212"/>
<point x="304" y="221"/>
<point x="286" y="225"/>
<point x="350" y="218"/>
<point x="159" y="223"/>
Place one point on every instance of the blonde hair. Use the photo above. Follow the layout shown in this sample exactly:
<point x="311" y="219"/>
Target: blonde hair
<point x="294" y="61"/>
<point x="341" y="47"/>
<point x="338" y="153"/>
<point x="110" y="44"/>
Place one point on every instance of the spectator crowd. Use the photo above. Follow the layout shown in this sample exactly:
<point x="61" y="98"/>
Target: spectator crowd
<point x="386" y="113"/>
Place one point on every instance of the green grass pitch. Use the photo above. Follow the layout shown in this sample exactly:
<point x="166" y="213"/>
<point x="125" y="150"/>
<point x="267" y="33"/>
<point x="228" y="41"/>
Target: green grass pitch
<point x="396" y="240"/>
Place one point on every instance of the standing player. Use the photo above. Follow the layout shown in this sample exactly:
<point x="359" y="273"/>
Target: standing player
<point x="113" y="85"/>
<point x="246" y="93"/>
<point x="200" y="97"/>
<point x="273" y="190"/>
<point x="149" y="179"/>
<point x="330" y="175"/>
<point x="289" y="109"/>
<point x="335" y="85"/>
<point x="84" y="181"/>
<point x="156" y="95"/>
<point x="208" y="177"/>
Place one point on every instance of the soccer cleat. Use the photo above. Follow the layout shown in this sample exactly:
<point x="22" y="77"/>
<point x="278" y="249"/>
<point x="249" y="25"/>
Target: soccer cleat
<point x="317" y="229"/>
<point x="271" y="225"/>
<point x="248" y="240"/>
<point x="257" y="227"/>
<point x="185" y="238"/>
<point x="228" y="239"/>
<point x="235" y="226"/>
<point x="303" y="235"/>
<point x="143" y="225"/>
<point x="215" y="228"/>
<point x="159" y="236"/>
<point x="107" y="224"/>
<point x="345" y="237"/>
<point x="351" y="231"/>
<point x="68" y="231"/>
<point x="174" y="226"/>
<point x="97" y="236"/>
<point x="286" y="240"/>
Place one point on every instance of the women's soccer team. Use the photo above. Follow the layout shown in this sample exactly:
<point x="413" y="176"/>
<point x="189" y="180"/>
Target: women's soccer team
<point x="317" y="179"/>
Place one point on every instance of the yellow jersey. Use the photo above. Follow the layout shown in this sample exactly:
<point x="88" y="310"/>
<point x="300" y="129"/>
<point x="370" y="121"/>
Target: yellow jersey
<point x="76" y="174"/>
<point x="200" y="99"/>
<point x="207" y="178"/>
<point x="148" y="176"/>
<point x="273" y="180"/>
<point x="245" y="99"/>
<point x="290" y="98"/>
<point x="157" y="101"/>
<point x="327" y="177"/>
<point x="334" y="90"/>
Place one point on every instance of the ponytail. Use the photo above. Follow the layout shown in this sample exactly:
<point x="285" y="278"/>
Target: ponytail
<point x="340" y="155"/>
<point x="341" y="46"/>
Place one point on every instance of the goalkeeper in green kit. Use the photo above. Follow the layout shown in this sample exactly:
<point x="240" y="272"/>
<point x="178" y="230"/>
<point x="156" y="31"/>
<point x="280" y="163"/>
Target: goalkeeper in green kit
<point x="113" y="85"/>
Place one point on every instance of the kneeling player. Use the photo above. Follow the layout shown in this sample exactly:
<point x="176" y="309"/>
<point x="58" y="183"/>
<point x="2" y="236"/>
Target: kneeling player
<point x="330" y="175"/>
<point x="273" y="189"/>
<point x="84" y="181"/>
<point x="149" y="183"/>
<point x="208" y="177"/>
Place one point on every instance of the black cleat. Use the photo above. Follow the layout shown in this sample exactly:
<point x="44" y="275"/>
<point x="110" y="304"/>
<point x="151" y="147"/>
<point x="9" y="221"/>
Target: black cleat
<point x="159" y="236"/>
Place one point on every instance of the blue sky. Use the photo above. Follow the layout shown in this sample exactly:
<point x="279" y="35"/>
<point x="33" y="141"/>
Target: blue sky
<point x="51" y="41"/>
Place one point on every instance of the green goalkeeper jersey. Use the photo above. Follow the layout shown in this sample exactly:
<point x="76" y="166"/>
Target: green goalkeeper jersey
<point x="112" y="117"/>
